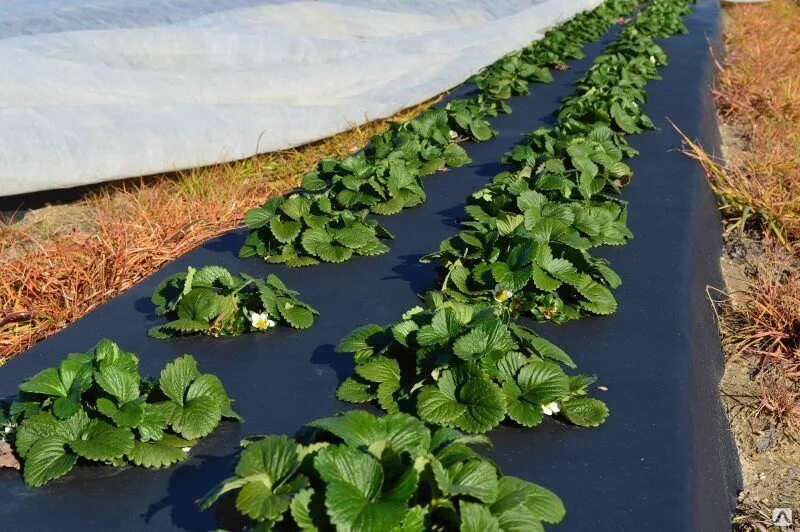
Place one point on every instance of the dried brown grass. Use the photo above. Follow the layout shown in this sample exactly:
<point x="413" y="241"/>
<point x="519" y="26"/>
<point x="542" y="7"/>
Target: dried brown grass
<point x="758" y="101"/>
<point x="55" y="268"/>
<point x="765" y="326"/>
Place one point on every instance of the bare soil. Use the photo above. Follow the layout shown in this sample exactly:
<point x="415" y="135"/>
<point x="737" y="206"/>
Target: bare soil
<point x="769" y="451"/>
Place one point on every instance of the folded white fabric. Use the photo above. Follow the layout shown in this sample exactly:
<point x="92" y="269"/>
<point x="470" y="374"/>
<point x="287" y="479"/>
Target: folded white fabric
<point x="95" y="90"/>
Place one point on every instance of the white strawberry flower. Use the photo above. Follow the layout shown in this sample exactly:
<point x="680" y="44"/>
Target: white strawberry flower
<point x="551" y="408"/>
<point x="186" y="449"/>
<point x="261" y="321"/>
<point x="653" y="59"/>
<point x="501" y="295"/>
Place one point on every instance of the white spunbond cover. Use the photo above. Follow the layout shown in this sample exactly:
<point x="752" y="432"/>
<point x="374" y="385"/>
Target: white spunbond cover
<point x="95" y="90"/>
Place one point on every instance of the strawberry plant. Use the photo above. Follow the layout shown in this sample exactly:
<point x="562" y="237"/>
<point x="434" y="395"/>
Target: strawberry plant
<point x="469" y="118"/>
<point x="305" y="229"/>
<point x="96" y="407"/>
<point x="464" y="366"/>
<point x="361" y="473"/>
<point x="529" y="231"/>
<point x="211" y="301"/>
<point x="385" y="177"/>
<point x="548" y="274"/>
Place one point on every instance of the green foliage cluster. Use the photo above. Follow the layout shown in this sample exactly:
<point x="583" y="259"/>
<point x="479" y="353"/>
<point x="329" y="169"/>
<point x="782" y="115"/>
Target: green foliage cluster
<point x="530" y="230"/>
<point x="96" y="407"/>
<point x="462" y="361"/>
<point x="327" y="220"/>
<point x="459" y="365"/>
<point x="306" y="228"/>
<point x="209" y="300"/>
<point x="361" y="473"/>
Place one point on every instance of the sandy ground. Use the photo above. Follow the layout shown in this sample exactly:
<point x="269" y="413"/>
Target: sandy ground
<point x="769" y="452"/>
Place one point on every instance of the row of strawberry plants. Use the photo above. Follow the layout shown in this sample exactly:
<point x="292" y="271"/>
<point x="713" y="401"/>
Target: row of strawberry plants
<point x="357" y="472"/>
<point x="462" y="361"/>
<point x="531" y="229"/>
<point x="96" y="407"/>
<point x="328" y="220"/>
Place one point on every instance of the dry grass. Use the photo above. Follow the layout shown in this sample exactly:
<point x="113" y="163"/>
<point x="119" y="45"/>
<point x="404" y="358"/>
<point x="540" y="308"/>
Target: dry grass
<point x="59" y="263"/>
<point x="758" y="99"/>
<point x="765" y="325"/>
<point x="758" y="102"/>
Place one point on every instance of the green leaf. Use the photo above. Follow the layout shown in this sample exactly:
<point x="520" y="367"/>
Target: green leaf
<point x="210" y="386"/>
<point x="486" y="406"/>
<point x="354" y="236"/>
<point x="265" y="476"/>
<point x="123" y="385"/>
<point x="436" y="406"/>
<point x="177" y="376"/>
<point x="201" y="304"/>
<point x="332" y="253"/>
<point x="153" y="423"/>
<point x="600" y="299"/>
<point x="299" y="262"/>
<point x="312" y="181"/>
<point x="519" y="504"/>
<point x="65" y="407"/>
<point x="354" y="391"/>
<point x="474" y="478"/>
<point x="313" y="239"/>
<point x="379" y="370"/>
<point x="301" y="511"/>
<point x="196" y="418"/>
<point x="463" y="398"/>
<point x="389" y="207"/>
<point x="400" y="432"/>
<point x="181" y="326"/>
<point x="258" y="217"/>
<point x="523" y="412"/>
<point x="543" y="382"/>
<point x="103" y="442"/>
<point x="262" y="503"/>
<point x="168" y="292"/>
<point x="542" y="503"/>
<point x="297" y="315"/>
<point x="48" y="459"/>
<point x="34" y="428"/>
<point x="361" y="341"/>
<point x="544" y="282"/>
<point x="213" y="276"/>
<point x="414" y="521"/>
<point x="455" y="155"/>
<point x="284" y="231"/>
<point x="46" y="382"/>
<point x="445" y="324"/>
<point x="476" y="517"/>
<point x="273" y="459"/>
<point x="352" y="496"/>
<point x="155" y="454"/>
<point x="546" y="349"/>
<point x="584" y="411"/>
<point x="485" y="338"/>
